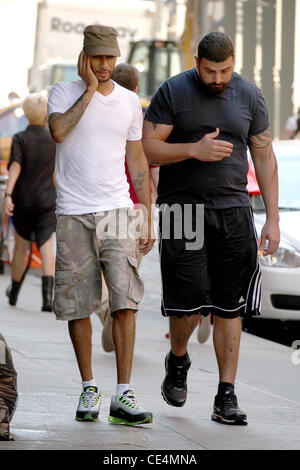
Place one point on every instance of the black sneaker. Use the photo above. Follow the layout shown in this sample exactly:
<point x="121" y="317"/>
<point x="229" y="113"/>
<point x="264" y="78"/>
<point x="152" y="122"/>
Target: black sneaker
<point x="226" y="410"/>
<point x="174" y="388"/>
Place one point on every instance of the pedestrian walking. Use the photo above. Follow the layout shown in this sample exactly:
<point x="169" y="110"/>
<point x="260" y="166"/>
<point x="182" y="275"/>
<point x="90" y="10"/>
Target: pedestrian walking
<point x="127" y="76"/>
<point x="94" y="122"/>
<point x="197" y="128"/>
<point x="30" y="197"/>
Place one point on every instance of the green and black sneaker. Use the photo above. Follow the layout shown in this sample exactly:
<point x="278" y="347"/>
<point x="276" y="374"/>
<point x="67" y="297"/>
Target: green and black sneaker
<point x="89" y="405"/>
<point x="124" y="409"/>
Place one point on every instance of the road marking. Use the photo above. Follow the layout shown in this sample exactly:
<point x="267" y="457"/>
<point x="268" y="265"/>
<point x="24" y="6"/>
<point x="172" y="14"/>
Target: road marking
<point x="269" y="393"/>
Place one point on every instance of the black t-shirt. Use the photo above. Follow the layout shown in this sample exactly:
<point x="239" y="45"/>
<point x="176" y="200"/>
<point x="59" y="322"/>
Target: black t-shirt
<point x="35" y="151"/>
<point x="239" y="112"/>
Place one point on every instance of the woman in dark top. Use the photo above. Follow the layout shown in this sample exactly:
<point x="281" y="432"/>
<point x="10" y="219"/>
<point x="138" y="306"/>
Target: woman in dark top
<point x="30" y="197"/>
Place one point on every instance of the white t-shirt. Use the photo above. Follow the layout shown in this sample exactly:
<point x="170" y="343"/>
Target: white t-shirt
<point x="89" y="169"/>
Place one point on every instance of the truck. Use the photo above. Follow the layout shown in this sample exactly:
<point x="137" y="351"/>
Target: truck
<point x="59" y="34"/>
<point x="156" y="60"/>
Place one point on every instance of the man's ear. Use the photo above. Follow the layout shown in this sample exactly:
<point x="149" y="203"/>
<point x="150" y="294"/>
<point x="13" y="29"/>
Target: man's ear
<point x="197" y="61"/>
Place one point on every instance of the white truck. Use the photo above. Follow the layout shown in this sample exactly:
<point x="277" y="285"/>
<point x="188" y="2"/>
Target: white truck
<point x="59" y="34"/>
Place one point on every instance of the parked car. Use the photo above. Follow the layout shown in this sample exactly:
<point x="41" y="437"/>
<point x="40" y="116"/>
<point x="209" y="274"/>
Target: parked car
<point x="281" y="271"/>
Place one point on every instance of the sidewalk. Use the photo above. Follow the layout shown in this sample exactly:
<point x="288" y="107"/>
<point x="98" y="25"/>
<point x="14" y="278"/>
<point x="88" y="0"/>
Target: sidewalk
<point x="268" y="384"/>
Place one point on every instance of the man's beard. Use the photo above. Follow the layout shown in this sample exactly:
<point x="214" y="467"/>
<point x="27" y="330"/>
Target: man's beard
<point x="104" y="79"/>
<point x="209" y="88"/>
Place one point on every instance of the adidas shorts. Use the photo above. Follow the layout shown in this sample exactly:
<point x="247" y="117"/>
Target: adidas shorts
<point x="223" y="277"/>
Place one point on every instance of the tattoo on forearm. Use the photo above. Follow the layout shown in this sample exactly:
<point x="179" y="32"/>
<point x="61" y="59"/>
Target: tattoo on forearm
<point x="138" y="182"/>
<point x="70" y="118"/>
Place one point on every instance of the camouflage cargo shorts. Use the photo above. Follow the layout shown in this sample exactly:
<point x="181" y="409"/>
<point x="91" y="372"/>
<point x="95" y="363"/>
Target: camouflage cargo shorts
<point x="86" y="246"/>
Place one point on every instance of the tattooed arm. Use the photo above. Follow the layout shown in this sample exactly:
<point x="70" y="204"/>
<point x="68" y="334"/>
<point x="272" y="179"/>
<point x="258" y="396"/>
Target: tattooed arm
<point x="61" y="124"/>
<point x="140" y="177"/>
<point x="266" y="170"/>
<point x="160" y="152"/>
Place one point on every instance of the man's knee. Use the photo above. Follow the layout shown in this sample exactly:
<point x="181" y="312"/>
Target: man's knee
<point x="80" y="325"/>
<point x="79" y="321"/>
<point x="124" y="314"/>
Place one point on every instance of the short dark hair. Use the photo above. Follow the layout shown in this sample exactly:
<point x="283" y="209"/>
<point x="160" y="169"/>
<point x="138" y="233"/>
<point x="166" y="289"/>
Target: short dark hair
<point x="126" y="75"/>
<point x="215" y="46"/>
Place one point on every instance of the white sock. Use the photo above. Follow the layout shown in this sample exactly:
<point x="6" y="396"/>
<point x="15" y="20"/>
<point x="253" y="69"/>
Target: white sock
<point x="89" y="383"/>
<point x="121" y="388"/>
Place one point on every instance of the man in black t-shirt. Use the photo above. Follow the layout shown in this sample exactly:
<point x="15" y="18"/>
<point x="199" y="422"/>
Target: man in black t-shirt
<point x="198" y="127"/>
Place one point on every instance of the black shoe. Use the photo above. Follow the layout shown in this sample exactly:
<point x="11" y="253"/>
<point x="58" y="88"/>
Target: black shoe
<point x="226" y="410"/>
<point x="12" y="292"/>
<point x="47" y="290"/>
<point x="174" y="388"/>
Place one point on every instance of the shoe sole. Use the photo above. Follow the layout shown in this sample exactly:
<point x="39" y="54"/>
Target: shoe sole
<point x="87" y="417"/>
<point x="113" y="420"/>
<point x="174" y="403"/>
<point x="238" y="421"/>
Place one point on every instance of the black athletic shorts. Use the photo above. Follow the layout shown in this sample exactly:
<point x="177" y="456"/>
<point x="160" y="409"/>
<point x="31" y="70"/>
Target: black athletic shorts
<point x="223" y="277"/>
<point x="36" y="226"/>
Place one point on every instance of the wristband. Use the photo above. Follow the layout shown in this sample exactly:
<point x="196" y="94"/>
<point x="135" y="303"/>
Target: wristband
<point x="7" y="195"/>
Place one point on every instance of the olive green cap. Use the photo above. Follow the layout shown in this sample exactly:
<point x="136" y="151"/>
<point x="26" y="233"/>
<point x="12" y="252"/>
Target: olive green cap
<point x="101" y="40"/>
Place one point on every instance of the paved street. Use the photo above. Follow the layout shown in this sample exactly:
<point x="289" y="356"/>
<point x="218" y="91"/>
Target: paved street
<point x="268" y="384"/>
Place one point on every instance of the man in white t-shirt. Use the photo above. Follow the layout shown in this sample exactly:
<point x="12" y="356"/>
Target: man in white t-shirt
<point x="95" y="122"/>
